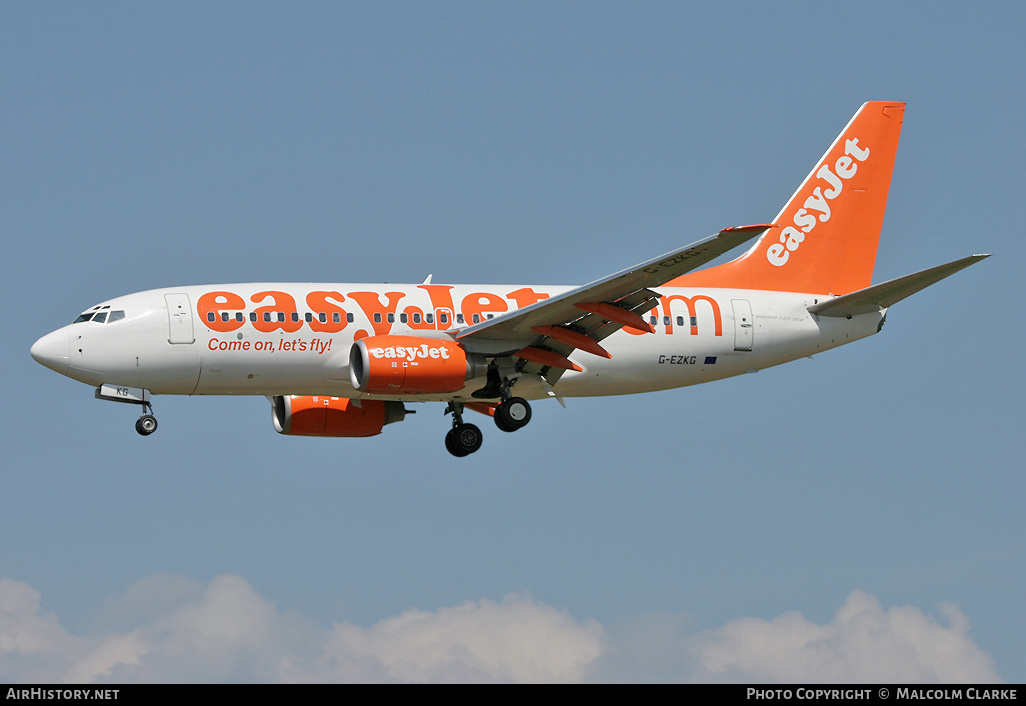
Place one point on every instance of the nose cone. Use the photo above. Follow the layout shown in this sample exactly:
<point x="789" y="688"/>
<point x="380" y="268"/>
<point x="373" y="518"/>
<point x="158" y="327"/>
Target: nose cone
<point x="52" y="350"/>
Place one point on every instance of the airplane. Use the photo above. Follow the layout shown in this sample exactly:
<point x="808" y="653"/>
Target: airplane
<point x="344" y="360"/>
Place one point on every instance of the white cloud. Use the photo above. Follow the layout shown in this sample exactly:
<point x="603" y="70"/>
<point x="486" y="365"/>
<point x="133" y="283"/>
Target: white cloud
<point x="517" y="640"/>
<point x="24" y="627"/>
<point x="116" y="651"/>
<point x="175" y="629"/>
<point x="33" y="645"/>
<point x="864" y="643"/>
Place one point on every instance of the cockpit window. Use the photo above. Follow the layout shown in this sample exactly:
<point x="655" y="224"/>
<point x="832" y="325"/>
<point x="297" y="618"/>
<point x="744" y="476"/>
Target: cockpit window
<point x="100" y="317"/>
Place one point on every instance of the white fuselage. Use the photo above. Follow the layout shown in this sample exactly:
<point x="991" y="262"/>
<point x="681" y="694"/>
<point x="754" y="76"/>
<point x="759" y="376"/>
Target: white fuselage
<point x="295" y="339"/>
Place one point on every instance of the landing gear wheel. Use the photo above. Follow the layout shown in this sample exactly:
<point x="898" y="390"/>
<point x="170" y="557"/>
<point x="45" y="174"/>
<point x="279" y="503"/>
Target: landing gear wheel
<point x="512" y="414"/>
<point x="463" y="440"/>
<point x="146" y="424"/>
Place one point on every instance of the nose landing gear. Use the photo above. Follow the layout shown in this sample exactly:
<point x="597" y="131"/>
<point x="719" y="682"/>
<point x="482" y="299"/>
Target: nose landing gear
<point x="147" y="423"/>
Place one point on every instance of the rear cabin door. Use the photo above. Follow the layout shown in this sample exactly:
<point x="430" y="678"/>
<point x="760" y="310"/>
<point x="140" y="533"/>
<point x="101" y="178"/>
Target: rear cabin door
<point x="743" y="324"/>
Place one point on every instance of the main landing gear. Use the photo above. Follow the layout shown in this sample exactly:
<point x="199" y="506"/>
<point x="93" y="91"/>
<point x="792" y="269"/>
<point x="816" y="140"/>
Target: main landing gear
<point x="510" y="414"/>
<point x="513" y="412"/>
<point x="463" y="439"/>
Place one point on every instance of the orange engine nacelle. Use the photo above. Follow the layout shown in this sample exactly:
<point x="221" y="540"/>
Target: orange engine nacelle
<point x="411" y="365"/>
<point x="303" y="415"/>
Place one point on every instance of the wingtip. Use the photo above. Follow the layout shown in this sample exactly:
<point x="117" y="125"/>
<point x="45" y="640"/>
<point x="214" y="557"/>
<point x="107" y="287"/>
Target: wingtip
<point x="757" y="227"/>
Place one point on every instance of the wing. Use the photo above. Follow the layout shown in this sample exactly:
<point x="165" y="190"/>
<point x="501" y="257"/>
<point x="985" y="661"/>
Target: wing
<point x="539" y="337"/>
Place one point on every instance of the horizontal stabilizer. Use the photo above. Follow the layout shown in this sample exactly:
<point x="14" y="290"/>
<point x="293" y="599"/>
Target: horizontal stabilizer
<point x="881" y="296"/>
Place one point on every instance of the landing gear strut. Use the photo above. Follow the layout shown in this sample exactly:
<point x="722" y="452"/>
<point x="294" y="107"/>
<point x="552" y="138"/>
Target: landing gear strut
<point x="463" y="439"/>
<point x="145" y="424"/>
<point x="510" y="414"/>
<point x="513" y="412"/>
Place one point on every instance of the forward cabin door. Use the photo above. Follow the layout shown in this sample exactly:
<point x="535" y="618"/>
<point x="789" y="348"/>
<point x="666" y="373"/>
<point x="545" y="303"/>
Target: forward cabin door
<point x="179" y="319"/>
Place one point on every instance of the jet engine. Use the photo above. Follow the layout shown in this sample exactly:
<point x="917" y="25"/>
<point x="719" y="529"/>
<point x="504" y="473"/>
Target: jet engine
<point x="304" y="415"/>
<point x="411" y="365"/>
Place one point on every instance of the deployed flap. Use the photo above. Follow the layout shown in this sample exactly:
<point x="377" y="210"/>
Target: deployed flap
<point x="881" y="296"/>
<point x="616" y="288"/>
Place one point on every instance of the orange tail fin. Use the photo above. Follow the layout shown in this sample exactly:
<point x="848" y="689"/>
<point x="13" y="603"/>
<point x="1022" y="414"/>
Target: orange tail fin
<point x="825" y="238"/>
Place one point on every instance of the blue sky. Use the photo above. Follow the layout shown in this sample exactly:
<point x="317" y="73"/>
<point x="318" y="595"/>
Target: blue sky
<point x="870" y="498"/>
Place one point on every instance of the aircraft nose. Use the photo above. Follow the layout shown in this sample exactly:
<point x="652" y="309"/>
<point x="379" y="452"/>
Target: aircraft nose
<point x="52" y="350"/>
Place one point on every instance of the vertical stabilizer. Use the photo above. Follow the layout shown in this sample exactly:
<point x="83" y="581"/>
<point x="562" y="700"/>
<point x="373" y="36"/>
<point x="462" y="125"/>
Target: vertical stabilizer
<point x="824" y="240"/>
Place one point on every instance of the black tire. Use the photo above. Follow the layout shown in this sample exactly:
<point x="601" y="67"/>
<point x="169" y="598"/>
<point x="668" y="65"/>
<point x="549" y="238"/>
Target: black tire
<point x="146" y="424"/>
<point x="513" y="414"/>
<point x="452" y="446"/>
<point x="463" y="440"/>
<point x="503" y="423"/>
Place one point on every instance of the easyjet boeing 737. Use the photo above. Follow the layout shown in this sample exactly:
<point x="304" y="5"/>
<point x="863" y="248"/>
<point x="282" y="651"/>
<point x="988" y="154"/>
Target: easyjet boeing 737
<point x="344" y="359"/>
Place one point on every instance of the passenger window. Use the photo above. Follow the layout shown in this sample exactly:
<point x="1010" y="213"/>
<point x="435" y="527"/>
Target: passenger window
<point x="430" y="318"/>
<point x="416" y="318"/>
<point x="391" y="318"/>
<point x="281" y="317"/>
<point x="666" y="321"/>
<point x="224" y="316"/>
<point x="295" y="317"/>
<point x="252" y="316"/>
<point x="239" y="317"/>
<point x="267" y="317"/>
<point x="349" y="318"/>
<point x="309" y="317"/>
<point x="459" y="318"/>
<point x="211" y="317"/>
<point x="336" y="317"/>
<point x="694" y="321"/>
<point x="377" y="318"/>
<point x="323" y="318"/>
<point x="477" y="318"/>
<point x="653" y="320"/>
<point x="403" y="318"/>
<point x="680" y="320"/>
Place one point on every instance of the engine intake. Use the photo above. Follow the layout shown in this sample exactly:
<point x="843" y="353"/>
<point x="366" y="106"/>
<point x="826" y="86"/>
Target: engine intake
<point x="411" y="365"/>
